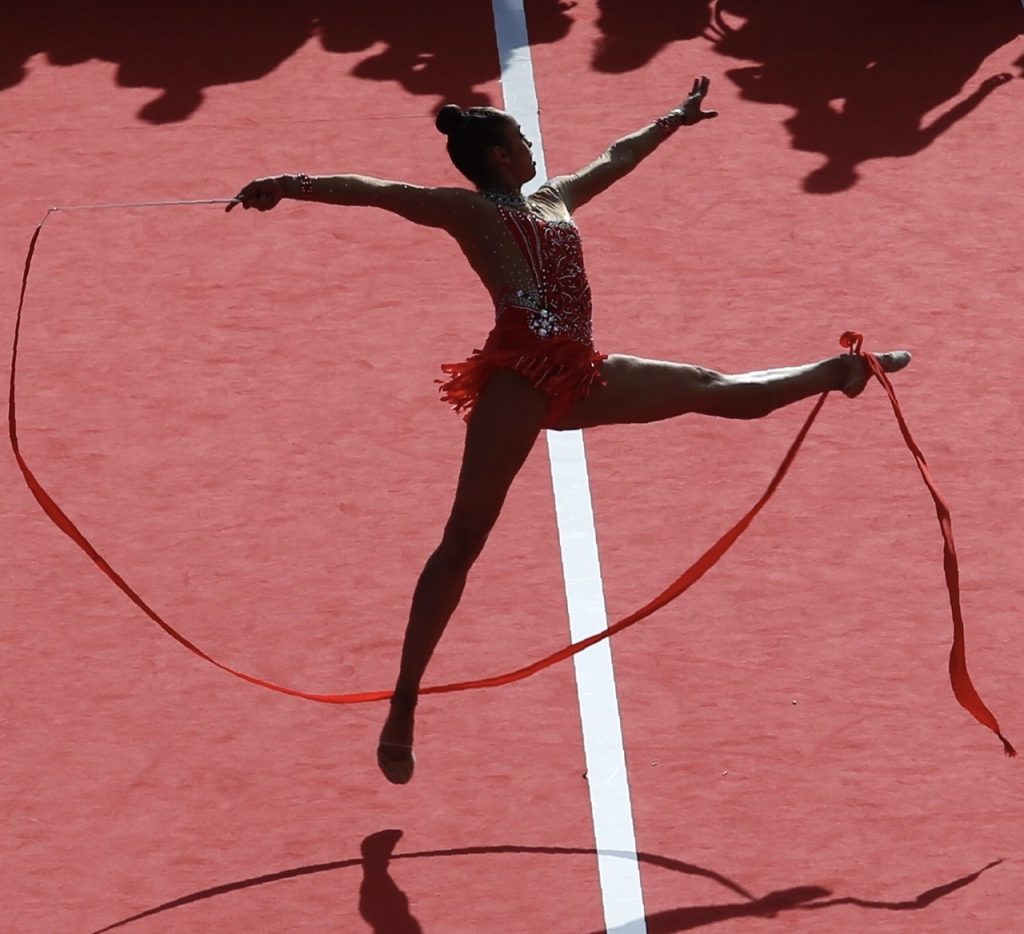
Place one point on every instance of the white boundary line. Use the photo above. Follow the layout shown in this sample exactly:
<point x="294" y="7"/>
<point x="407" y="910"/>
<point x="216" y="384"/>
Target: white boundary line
<point x="619" y="872"/>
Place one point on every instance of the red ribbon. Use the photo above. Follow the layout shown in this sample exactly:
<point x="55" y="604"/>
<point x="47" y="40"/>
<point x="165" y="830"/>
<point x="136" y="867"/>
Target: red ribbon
<point x="962" y="686"/>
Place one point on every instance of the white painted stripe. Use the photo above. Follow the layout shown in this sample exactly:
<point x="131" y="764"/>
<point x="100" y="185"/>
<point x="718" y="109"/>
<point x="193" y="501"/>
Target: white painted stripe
<point x="618" y="868"/>
<point x="517" y="85"/>
<point x="595" y="683"/>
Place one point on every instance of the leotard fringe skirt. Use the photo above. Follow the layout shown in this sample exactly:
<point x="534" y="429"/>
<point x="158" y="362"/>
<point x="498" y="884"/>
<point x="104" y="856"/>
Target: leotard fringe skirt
<point x="565" y="370"/>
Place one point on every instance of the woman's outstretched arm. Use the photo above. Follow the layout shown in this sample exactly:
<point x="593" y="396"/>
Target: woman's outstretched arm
<point x="432" y="207"/>
<point x="625" y="154"/>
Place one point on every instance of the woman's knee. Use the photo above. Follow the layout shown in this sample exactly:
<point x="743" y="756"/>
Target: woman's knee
<point x="464" y="539"/>
<point x="740" y="398"/>
<point x="686" y="389"/>
<point x="706" y="380"/>
<point x="719" y="394"/>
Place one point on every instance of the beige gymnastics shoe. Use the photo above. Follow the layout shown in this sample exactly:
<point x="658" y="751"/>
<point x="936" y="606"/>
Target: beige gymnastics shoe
<point x="891" y="362"/>
<point x="396" y="761"/>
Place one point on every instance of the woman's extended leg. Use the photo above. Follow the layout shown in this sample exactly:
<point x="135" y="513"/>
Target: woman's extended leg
<point x="639" y="390"/>
<point x="506" y="420"/>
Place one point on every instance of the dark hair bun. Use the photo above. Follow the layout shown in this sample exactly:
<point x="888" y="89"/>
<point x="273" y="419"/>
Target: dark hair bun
<point x="449" y="119"/>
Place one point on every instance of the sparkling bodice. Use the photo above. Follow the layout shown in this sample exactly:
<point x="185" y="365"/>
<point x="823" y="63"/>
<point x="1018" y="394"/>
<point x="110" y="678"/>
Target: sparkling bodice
<point x="557" y="301"/>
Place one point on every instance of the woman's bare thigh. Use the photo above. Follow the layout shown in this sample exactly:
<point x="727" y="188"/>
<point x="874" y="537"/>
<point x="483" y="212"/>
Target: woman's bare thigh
<point x="502" y="429"/>
<point x="638" y="390"/>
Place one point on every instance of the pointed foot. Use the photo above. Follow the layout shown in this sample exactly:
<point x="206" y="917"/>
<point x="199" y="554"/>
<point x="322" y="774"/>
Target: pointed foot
<point x="396" y="761"/>
<point x="858" y="373"/>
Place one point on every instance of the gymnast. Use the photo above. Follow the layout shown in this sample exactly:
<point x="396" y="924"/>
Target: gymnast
<point x="538" y="368"/>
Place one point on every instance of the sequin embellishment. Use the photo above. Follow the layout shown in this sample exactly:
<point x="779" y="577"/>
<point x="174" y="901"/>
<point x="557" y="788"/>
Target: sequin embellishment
<point x="560" y="304"/>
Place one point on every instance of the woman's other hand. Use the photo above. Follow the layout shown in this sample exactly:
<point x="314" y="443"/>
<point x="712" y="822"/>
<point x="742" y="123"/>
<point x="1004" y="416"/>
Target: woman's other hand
<point x="261" y="193"/>
<point x="690" y="109"/>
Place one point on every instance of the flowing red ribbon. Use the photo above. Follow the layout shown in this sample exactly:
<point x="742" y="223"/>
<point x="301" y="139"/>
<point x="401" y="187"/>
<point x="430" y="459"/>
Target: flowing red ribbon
<point x="962" y="686"/>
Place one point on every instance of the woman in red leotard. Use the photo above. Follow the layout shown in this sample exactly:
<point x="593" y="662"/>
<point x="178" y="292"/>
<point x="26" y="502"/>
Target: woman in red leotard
<point x="538" y="368"/>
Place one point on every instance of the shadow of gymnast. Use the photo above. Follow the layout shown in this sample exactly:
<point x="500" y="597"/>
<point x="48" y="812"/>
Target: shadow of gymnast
<point x="386" y="908"/>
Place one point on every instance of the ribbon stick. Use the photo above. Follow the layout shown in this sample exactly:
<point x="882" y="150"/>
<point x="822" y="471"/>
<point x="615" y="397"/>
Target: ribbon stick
<point x="962" y="686"/>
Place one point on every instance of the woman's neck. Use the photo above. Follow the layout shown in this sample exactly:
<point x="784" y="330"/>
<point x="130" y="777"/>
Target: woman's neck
<point x="509" y="197"/>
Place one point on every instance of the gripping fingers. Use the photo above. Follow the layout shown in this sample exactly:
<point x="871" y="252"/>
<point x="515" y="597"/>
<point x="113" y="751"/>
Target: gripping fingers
<point x="244" y="198"/>
<point x="262" y="200"/>
<point x="262" y="194"/>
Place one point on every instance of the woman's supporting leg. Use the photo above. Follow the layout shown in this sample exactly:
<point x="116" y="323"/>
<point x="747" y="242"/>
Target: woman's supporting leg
<point x="502" y="429"/>
<point x="639" y="390"/>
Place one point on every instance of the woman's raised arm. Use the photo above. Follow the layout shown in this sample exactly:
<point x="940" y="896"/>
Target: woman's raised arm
<point x="625" y="154"/>
<point x="446" y="208"/>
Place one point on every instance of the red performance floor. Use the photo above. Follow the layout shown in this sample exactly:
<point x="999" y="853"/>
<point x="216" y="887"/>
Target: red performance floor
<point x="239" y="412"/>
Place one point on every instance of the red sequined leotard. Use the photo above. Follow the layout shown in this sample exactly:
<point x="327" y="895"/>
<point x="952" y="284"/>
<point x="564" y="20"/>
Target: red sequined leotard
<point x="542" y="327"/>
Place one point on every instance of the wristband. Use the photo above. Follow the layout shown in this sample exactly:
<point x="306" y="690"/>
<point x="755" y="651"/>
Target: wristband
<point x="671" y="122"/>
<point x="305" y="185"/>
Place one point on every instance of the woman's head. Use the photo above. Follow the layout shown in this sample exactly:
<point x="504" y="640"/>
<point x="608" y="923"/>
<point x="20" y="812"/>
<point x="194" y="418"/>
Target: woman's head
<point x="486" y="145"/>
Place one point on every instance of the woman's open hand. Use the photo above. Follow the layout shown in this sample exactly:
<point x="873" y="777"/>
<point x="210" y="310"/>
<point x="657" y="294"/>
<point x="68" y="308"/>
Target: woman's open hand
<point x="690" y="108"/>
<point x="261" y="193"/>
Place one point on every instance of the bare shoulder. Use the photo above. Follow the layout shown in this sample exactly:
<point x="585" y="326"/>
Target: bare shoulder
<point x="550" y="198"/>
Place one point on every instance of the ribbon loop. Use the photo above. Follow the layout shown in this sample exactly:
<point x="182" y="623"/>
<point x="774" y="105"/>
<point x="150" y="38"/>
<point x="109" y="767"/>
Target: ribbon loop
<point x="852" y="339"/>
<point x="963" y="688"/>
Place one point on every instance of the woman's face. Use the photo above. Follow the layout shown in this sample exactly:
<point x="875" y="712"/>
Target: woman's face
<point x="521" y="161"/>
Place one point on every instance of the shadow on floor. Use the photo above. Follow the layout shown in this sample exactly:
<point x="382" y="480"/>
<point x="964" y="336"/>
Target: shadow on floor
<point x="866" y="79"/>
<point x="385" y="907"/>
<point x="444" y="49"/>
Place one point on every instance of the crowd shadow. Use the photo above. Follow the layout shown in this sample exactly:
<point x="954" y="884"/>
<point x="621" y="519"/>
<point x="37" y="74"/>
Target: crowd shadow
<point x="386" y="907"/>
<point x="866" y="79"/>
<point x="445" y="49"/>
<point x="632" y="34"/>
